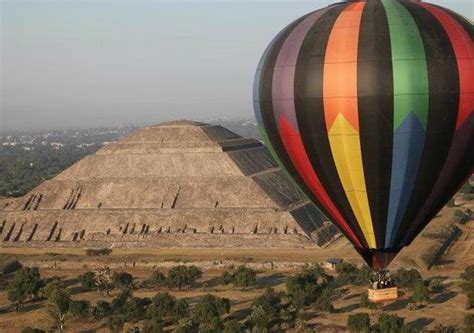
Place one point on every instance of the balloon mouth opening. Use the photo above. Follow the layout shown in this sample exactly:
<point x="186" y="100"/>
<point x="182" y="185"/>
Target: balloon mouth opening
<point x="378" y="260"/>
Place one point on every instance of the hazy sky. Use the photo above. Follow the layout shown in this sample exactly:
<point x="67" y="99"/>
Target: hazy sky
<point x="70" y="63"/>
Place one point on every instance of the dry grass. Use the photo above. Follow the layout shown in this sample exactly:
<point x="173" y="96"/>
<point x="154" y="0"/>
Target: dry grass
<point x="273" y="265"/>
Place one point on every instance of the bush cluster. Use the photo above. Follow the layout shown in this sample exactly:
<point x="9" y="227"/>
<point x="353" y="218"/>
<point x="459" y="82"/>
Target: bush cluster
<point x="468" y="286"/>
<point x="351" y="274"/>
<point x="98" y="252"/>
<point x="11" y="267"/>
<point x="242" y="277"/>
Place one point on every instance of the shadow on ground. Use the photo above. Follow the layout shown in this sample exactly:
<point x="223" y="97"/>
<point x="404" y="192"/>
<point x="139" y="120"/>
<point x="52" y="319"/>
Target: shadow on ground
<point x="421" y="323"/>
<point x="444" y="297"/>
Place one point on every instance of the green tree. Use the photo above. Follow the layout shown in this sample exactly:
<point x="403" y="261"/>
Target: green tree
<point x="157" y="279"/>
<point x="11" y="267"/>
<point x="359" y="323"/>
<point x="468" y="285"/>
<point x="390" y="323"/>
<point x="122" y="279"/>
<point x="26" y="283"/>
<point x="468" y="274"/>
<point x="435" y="285"/>
<point x="324" y="303"/>
<point x="101" y="309"/>
<point x="183" y="276"/>
<point x="365" y="303"/>
<point x="153" y="326"/>
<point x="209" y="310"/>
<point x="265" y="309"/>
<point x="305" y="287"/>
<point x="407" y="278"/>
<point x="161" y="306"/>
<point x="346" y="273"/>
<point x="180" y="310"/>
<point x="363" y="276"/>
<point x="469" y="322"/>
<point x="58" y="302"/>
<point x="115" y="323"/>
<point x="420" y="293"/>
<point x="188" y="326"/>
<point x="226" y="278"/>
<point x="244" y="277"/>
<point x="233" y="326"/>
<point x="79" y="309"/>
<point x="119" y="301"/>
<point x="134" y="308"/>
<point x="87" y="281"/>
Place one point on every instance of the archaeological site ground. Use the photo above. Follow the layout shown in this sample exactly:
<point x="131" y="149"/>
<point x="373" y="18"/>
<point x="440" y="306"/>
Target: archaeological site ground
<point x="193" y="194"/>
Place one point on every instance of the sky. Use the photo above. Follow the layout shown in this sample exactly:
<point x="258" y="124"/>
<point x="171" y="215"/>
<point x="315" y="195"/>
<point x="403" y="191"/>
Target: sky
<point x="88" y="63"/>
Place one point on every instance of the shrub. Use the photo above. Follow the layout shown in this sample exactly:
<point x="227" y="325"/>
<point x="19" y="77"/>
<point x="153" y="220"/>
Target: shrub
<point x="467" y="188"/>
<point x="182" y="276"/>
<point x="345" y="272"/>
<point x="226" y="278"/>
<point x="365" y="303"/>
<point x="115" y="323"/>
<point x="152" y="326"/>
<point x="420" y="293"/>
<point x="469" y="322"/>
<point x="440" y="328"/>
<point x="470" y="299"/>
<point x="187" y="326"/>
<point x="233" y="326"/>
<point x="11" y="267"/>
<point x="208" y="311"/>
<point x="25" y="283"/>
<point x="468" y="196"/>
<point x="180" y="310"/>
<point x="265" y="309"/>
<point x="101" y="309"/>
<point x="305" y="287"/>
<point x="459" y="213"/>
<point x="98" y="252"/>
<point x="87" y="281"/>
<point x="134" y="308"/>
<point x="407" y="278"/>
<point x="468" y="274"/>
<point x="119" y="301"/>
<point x="157" y="279"/>
<point x="324" y="303"/>
<point x="358" y="322"/>
<point x="363" y="276"/>
<point x="468" y="285"/>
<point x="413" y="306"/>
<point x="161" y="306"/>
<point x="164" y="305"/>
<point x="122" y="279"/>
<point x="435" y="285"/>
<point x="244" y="277"/>
<point x="390" y="323"/>
<point x="32" y="330"/>
<point x="79" y="309"/>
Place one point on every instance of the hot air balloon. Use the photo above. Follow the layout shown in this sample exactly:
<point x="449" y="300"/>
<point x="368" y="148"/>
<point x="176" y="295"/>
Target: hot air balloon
<point x="368" y="107"/>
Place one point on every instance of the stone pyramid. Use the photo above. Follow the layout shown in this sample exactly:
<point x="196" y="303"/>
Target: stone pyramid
<point x="177" y="184"/>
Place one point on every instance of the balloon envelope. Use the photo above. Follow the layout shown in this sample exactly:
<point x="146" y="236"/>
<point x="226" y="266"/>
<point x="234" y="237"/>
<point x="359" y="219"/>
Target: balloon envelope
<point x="368" y="106"/>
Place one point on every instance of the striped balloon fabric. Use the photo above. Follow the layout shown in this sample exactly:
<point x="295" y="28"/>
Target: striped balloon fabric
<point x="368" y="106"/>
